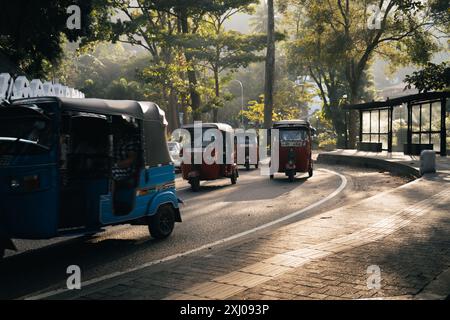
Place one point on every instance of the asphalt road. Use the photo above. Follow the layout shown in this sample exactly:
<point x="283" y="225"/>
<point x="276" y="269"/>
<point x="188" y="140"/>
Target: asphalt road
<point x="217" y="211"/>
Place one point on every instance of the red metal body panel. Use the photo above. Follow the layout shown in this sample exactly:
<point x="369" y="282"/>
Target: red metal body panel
<point x="207" y="171"/>
<point x="302" y="158"/>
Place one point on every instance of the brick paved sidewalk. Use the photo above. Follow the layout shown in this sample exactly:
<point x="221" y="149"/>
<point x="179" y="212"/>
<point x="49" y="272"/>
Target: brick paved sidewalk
<point x="404" y="233"/>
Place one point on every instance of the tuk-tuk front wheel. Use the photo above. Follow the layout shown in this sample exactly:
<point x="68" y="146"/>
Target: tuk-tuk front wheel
<point x="195" y="184"/>
<point x="162" y="223"/>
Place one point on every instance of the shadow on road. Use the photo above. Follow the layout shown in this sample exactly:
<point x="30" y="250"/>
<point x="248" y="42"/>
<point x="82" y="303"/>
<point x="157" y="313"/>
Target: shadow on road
<point x="39" y="269"/>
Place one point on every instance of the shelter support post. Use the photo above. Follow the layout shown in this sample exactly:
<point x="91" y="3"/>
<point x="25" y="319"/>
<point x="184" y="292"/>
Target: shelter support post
<point x="443" y="127"/>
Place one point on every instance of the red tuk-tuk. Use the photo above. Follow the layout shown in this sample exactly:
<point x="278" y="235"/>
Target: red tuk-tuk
<point x="294" y="147"/>
<point x="221" y="166"/>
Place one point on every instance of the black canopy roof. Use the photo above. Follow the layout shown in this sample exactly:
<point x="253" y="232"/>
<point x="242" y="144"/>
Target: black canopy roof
<point x="291" y="123"/>
<point x="427" y="96"/>
<point x="220" y="126"/>
<point x="154" y="126"/>
<point x="139" y="110"/>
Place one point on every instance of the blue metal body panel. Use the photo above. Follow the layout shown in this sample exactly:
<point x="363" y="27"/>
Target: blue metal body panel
<point x="158" y="189"/>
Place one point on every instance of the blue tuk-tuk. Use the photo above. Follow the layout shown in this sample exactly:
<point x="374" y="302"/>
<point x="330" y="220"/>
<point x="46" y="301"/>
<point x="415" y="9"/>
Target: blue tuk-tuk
<point x="73" y="166"/>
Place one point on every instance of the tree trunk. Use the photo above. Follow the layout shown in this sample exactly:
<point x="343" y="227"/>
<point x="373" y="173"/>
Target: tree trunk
<point x="217" y="87"/>
<point x="192" y="77"/>
<point x="337" y="115"/>
<point x="270" y="66"/>
<point x="353" y="120"/>
<point x="172" y="110"/>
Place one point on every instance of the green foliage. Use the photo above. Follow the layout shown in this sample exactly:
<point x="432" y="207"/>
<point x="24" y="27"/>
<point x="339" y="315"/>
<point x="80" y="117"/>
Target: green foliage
<point x="433" y="77"/>
<point x="254" y="113"/>
<point x="33" y="33"/>
<point x="326" y="141"/>
<point x="226" y="50"/>
<point x="109" y="71"/>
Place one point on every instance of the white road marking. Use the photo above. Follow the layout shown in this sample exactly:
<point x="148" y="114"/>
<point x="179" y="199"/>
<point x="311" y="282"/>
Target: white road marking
<point x="206" y="246"/>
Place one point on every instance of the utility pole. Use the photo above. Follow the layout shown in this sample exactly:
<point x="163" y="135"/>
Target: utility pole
<point x="242" y="100"/>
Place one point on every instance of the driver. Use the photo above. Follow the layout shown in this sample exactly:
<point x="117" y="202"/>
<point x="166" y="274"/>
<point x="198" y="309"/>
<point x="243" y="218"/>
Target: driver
<point x="126" y="150"/>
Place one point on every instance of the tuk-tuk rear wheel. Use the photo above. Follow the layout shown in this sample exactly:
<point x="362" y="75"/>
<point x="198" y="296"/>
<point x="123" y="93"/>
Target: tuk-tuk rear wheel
<point x="234" y="177"/>
<point x="195" y="184"/>
<point x="162" y="223"/>
<point x="311" y="170"/>
<point x="291" y="177"/>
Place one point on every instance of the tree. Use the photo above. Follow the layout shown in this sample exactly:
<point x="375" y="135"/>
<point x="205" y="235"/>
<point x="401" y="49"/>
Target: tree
<point x="167" y="29"/>
<point x="225" y="51"/>
<point x="190" y="14"/>
<point x="32" y="33"/>
<point x="270" y="66"/>
<point x="259" y="19"/>
<point x="313" y="55"/>
<point x="433" y="77"/>
<point x="399" y="31"/>
<point x="108" y="71"/>
<point x="255" y="113"/>
<point x="441" y="14"/>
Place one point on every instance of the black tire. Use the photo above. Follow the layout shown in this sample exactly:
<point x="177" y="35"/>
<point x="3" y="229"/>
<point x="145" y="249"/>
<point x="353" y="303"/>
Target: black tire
<point x="256" y="166"/>
<point x="234" y="178"/>
<point x="311" y="170"/>
<point x="162" y="223"/>
<point x="291" y="176"/>
<point x="195" y="184"/>
<point x="2" y="253"/>
<point x="247" y="166"/>
<point x="271" y="177"/>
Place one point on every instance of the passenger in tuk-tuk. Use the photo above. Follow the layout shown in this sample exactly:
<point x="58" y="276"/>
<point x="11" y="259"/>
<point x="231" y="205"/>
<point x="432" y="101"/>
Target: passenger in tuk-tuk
<point x="126" y="155"/>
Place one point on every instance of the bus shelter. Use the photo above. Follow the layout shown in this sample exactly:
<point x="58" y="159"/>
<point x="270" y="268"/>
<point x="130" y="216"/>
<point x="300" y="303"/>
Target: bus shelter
<point x="406" y="124"/>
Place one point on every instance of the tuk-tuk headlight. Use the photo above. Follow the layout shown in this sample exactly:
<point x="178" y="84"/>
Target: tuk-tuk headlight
<point x="15" y="184"/>
<point x="27" y="184"/>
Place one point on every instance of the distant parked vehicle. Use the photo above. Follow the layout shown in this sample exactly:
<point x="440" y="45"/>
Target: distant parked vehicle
<point x="174" y="151"/>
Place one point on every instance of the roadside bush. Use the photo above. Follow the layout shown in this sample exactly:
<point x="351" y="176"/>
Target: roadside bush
<point x="326" y="141"/>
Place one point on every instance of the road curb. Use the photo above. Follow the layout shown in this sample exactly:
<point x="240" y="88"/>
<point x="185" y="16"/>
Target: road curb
<point x="368" y="162"/>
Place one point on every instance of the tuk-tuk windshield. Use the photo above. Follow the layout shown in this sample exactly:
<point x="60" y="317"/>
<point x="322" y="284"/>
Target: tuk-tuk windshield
<point x="293" y="135"/>
<point x="24" y="131"/>
<point x="206" y="139"/>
